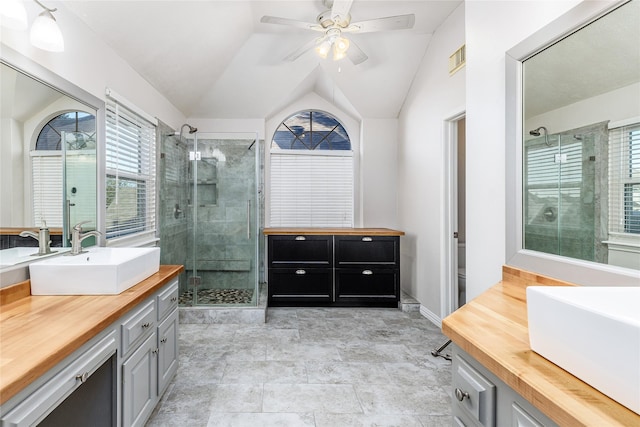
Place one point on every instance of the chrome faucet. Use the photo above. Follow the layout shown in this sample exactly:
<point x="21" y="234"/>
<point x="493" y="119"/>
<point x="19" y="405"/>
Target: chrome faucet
<point x="43" y="237"/>
<point x="77" y="236"/>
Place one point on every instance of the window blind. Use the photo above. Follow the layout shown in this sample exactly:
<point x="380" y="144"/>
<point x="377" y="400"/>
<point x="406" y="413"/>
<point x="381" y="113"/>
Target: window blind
<point x="624" y="179"/>
<point x="131" y="172"/>
<point x="311" y="190"/>
<point x="46" y="169"/>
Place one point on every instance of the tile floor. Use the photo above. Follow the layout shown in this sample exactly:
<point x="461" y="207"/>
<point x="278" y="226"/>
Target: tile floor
<point x="310" y="367"/>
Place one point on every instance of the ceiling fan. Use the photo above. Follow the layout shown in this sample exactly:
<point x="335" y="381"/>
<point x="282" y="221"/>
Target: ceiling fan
<point x="336" y="21"/>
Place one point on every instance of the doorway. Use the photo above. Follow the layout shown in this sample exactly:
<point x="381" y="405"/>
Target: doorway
<point x="453" y="283"/>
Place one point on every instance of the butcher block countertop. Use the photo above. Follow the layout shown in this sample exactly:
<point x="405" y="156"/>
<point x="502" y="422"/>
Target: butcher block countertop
<point x="38" y="332"/>
<point x="493" y="329"/>
<point x="334" y="231"/>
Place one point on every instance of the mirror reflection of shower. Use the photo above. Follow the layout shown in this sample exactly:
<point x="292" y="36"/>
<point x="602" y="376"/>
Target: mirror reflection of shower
<point x="536" y="132"/>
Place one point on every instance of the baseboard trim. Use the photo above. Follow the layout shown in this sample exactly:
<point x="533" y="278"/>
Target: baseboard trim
<point x="424" y="311"/>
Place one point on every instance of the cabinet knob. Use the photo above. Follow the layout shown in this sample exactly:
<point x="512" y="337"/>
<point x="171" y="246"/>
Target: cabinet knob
<point x="146" y="325"/>
<point x="163" y="340"/>
<point x="460" y="395"/>
<point x="367" y="272"/>
<point x="367" y="239"/>
<point x="301" y="238"/>
<point x="82" y="377"/>
<point x="156" y="351"/>
<point x="301" y="272"/>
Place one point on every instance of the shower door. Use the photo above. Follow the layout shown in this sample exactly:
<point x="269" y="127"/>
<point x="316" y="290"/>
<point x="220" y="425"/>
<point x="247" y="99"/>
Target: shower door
<point x="559" y="195"/>
<point x="222" y="238"/>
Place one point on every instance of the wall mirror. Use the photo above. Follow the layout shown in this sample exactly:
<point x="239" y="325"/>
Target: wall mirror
<point x="573" y="144"/>
<point x="49" y="158"/>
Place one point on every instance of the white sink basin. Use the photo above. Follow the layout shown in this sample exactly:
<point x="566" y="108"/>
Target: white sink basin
<point x="591" y="332"/>
<point x="100" y="271"/>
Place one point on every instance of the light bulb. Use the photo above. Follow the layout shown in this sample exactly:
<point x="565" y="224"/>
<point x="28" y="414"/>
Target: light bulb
<point x="340" y="47"/>
<point x="13" y="14"/>
<point x="45" y="33"/>
<point x="323" y="49"/>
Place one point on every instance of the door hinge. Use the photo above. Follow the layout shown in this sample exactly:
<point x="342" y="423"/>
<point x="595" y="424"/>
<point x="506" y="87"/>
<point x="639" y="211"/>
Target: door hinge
<point x="194" y="281"/>
<point x="455" y="234"/>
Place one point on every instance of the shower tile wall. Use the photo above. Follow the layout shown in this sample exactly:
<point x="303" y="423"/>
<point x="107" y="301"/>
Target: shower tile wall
<point x="225" y="256"/>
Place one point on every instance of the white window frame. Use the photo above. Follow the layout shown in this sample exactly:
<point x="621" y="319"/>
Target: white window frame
<point x="307" y="216"/>
<point x="122" y="116"/>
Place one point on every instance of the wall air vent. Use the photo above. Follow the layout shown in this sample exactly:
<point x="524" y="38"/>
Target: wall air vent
<point x="457" y="60"/>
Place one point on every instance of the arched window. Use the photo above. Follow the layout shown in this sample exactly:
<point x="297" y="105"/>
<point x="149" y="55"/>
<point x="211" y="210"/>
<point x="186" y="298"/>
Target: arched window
<point x="311" y="172"/>
<point x="79" y="130"/>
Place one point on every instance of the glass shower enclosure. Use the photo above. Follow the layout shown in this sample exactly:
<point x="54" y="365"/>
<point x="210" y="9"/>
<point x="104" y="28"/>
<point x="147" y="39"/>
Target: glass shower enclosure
<point x="210" y="210"/>
<point x="564" y="186"/>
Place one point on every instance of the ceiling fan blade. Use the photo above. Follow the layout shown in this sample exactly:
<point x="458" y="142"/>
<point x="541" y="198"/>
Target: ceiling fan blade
<point x="291" y="23"/>
<point x="400" y="22"/>
<point x="355" y="54"/>
<point x="340" y="10"/>
<point x="298" y="52"/>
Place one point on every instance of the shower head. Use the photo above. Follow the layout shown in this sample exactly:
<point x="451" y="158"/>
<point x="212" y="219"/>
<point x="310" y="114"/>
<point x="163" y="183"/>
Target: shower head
<point x="536" y="132"/>
<point x="191" y="129"/>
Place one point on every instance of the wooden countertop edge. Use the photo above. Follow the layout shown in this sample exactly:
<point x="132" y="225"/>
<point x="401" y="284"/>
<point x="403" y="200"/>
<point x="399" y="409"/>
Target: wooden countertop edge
<point x="332" y="231"/>
<point x="14" y="231"/>
<point x="11" y="386"/>
<point x="500" y="342"/>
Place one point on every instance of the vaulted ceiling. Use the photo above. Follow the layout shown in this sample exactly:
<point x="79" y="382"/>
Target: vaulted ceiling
<point x="214" y="59"/>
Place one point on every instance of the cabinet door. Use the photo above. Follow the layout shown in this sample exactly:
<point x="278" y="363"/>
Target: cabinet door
<point x="139" y="383"/>
<point x="291" y="251"/>
<point x="167" y="350"/>
<point x="370" y="250"/>
<point x="355" y="286"/>
<point x="300" y="285"/>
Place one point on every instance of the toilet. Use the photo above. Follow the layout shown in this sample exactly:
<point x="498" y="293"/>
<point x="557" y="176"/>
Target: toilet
<point x="462" y="274"/>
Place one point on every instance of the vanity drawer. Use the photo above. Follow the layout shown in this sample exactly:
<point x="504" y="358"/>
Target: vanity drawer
<point x="167" y="300"/>
<point x="39" y="404"/>
<point x="355" y="250"/>
<point x="301" y="249"/>
<point x="138" y="325"/>
<point x="473" y="394"/>
<point x="367" y="283"/>
<point x="300" y="285"/>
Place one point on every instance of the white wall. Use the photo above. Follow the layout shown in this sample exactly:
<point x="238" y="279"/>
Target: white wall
<point x="619" y="104"/>
<point x="91" y="64"/>
<point x="378" y="172"/>
<point x="492" y="28"/>
<point x="433" y="98"/>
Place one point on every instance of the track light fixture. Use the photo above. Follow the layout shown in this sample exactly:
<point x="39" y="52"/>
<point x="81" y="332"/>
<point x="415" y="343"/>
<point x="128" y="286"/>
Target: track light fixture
<point x="44" y="34"/>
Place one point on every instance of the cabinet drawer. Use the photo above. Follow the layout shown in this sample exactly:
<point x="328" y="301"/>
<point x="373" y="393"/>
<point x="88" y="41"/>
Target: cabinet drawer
<point x="295" y="250"/>
<point x="300" y="284"/>
<point x="474" y="394"/>
<point x="34" y="408"/>
<point x="383" y="250"/>
<point x="167" y="300"/>
<point x="138" y="325"/>
<point x="367" y="282"/>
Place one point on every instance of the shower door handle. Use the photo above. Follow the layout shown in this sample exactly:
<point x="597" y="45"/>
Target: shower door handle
<point x="249" y="219"/>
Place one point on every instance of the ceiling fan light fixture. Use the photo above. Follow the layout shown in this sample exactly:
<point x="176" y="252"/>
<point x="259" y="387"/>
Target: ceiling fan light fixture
<point x="323" y="48"/>
<point x="340" y="47"/>
<point x="45" y="32"/>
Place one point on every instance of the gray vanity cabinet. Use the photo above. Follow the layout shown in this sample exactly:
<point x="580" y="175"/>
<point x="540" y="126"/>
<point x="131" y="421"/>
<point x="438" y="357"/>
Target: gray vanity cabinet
<point x="480" y="399"/>
<point x="150" y="354"/>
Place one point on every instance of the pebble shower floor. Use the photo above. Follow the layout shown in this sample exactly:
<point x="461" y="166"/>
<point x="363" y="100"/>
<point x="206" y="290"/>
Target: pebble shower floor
<point x="217" y="296"/>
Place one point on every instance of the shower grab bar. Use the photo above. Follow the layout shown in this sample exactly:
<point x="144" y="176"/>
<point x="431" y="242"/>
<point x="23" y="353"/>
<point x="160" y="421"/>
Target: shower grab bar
<point x="249" y="219"/>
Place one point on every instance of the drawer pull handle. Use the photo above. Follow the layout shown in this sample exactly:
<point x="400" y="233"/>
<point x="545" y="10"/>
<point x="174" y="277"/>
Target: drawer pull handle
<point x="82" y="377"/>
<point x="301" y="238"/>
<point x="174" y="299"/>
<point x="460" y="395"/>
<point x="367" y="272"/>
<point x="367" y="239"/>
<point x="146" y="325"/>
<point x="163" y="340"/>
<point x="301" y="272"/>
